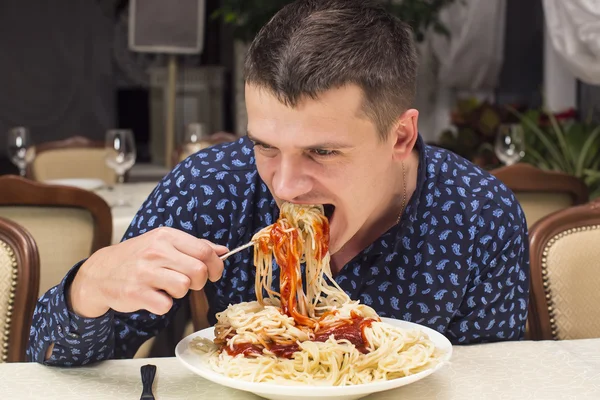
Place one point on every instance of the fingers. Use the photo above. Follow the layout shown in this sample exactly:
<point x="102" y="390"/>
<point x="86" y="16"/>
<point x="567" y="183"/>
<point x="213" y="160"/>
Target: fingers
<point x="143" y="297"/>
<point x="156" y="302"/>
<point x="174" y="283"/>
<point x="207" y="254"/>
<point x="170" y="249"/>
<point x="185" y="242"/>
<point x="219" y="249"/>
<point x="149" y="271"/>
<point x="195" y="270"/>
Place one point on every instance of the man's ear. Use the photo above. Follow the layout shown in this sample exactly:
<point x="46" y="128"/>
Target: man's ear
<point x="405" y="133"/>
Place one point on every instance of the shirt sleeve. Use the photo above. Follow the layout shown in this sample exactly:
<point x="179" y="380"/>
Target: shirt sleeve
<point x="80" y="341"/>
<point x="496" y="299"/>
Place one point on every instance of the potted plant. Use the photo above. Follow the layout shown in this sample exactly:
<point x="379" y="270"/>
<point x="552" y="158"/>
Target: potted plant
<point x="563" y="143"/>
<point x="473" y="131"/>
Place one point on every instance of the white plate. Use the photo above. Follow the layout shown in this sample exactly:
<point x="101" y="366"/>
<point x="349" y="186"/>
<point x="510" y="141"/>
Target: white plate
<point x="196" y="363"/>
<point x="87" y="184"/>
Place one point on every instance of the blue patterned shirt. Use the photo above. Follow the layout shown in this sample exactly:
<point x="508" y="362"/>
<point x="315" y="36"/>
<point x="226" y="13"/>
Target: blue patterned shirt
<point x="457" y="262"/>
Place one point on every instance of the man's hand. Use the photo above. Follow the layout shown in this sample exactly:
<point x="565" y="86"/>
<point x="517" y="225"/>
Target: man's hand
<point x="145" y="272"/>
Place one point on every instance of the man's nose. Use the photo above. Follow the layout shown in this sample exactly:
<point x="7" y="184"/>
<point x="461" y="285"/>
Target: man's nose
<point x="290" y="180"/>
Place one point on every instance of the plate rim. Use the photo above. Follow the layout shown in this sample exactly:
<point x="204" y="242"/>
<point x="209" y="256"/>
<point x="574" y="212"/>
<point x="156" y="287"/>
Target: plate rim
<point x="309" y="391"/>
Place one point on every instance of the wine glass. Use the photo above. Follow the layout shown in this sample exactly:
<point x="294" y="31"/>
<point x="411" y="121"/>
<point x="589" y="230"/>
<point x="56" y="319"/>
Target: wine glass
<point x="195" y="133"/>
<point x="510" y="143"/>
<point x="196" y="137"/>
<point x="19" y="148"/>
<point x="120" y="156"/>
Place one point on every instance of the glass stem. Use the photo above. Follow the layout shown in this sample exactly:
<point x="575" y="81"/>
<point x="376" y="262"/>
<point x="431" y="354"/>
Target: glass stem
<point x="121" y="178"/>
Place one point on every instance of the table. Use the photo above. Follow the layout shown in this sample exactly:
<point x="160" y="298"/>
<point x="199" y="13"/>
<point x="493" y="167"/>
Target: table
<point x="136" y="194"/>
<point x="514" y="370"/>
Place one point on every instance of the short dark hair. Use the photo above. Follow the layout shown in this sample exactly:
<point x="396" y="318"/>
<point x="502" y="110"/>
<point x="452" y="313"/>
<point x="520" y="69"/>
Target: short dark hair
<point x="311" y="46"/>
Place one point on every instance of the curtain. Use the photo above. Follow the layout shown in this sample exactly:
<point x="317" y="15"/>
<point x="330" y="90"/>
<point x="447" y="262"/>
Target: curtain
<point x="574" y="29"/>
<point x="467" y="63"/>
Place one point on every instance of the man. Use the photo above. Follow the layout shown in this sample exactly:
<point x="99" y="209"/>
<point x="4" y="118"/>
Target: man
<point x="417" y="232"/>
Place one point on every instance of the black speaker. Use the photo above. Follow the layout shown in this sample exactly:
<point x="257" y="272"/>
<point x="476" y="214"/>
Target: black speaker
<point x="167" y="26"/>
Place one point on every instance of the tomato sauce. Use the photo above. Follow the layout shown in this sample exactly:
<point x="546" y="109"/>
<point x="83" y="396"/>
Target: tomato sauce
<point x="245" y="349"/>
<point x="353" y="331"/>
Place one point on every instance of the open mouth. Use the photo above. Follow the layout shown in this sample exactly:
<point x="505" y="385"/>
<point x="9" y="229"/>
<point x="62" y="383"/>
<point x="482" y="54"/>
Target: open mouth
<point x="328" y="209"/>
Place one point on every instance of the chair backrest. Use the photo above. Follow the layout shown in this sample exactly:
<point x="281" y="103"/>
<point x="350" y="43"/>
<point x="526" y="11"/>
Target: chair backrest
<point x="76" y="157"/>
<point x="199" y="309"/>
<point x="540" y="192"/>
<point x="186" y="150"/>
<point x="19" y="281"/>
<point x="67" y="223"/>
<point x="565" y="274"/>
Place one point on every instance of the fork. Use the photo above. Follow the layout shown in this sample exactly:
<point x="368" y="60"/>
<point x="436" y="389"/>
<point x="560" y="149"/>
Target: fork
<point x="237" y="250"/>
<point x="148" y="371"/>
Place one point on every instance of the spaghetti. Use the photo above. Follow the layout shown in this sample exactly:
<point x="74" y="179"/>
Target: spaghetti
<point x="316" y="337"/>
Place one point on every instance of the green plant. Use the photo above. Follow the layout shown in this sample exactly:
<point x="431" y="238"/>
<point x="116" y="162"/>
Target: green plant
<point x="474" y="127"/>
<point x="248" y="16"/>
<point x="563" y="144"/>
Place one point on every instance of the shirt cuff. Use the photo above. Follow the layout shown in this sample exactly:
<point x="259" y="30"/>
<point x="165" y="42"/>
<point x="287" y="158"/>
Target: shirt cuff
<point x="67" y="329"/>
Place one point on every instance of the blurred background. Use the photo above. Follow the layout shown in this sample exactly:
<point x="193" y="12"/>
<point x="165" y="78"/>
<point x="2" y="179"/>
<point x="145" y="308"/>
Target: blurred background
<point x="489" y="70"/>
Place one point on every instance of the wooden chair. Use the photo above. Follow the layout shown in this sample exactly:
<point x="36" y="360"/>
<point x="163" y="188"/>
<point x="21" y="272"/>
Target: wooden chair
<point x="75" y="157"/>
<point x="565" y="274"/>
<point x="186" y="150"/>
<point x="190" y="318"/>
<point x="19" y="282"/>
<point x="67" y="223"/>
<point x="542" y="192"/>
<point x="199" y="311"/>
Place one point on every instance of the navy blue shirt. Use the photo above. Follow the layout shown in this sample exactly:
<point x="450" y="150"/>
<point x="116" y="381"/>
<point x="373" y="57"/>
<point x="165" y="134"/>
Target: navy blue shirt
<point x="457" y="262"/>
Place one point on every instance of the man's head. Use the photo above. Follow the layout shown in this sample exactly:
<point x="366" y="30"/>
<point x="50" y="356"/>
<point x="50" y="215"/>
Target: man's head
<point x="312" y="46"/>
<point x="329" y="86"/>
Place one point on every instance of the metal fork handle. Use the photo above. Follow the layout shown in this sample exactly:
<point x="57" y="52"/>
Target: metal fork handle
<point x="237" y="250"/>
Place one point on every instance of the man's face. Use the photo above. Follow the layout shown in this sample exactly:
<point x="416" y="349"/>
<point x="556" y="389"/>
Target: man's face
<point x="322" y="151"/>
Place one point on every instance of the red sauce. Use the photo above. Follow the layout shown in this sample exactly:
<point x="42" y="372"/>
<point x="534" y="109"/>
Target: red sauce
<point x="245" y="349"/>
<point x="284" y="350"/>
<point x="263" y="245"/>
<point x="353" y="331"/>
<point x="287" y="249"/>
<point x="322" y="237"/>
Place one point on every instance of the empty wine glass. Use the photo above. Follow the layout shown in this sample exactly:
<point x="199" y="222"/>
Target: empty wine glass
<point x="196" y="137"/>
<point x="510" y="143"/>
<point x="120" y="156"/>
<point x="19" y="148"/>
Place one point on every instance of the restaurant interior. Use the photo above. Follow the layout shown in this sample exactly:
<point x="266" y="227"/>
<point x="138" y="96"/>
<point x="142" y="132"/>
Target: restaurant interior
<point x="100" y="99"/>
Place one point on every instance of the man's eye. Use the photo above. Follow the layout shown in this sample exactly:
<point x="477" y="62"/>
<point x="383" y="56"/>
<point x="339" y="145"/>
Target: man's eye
<point x="262" y="146"/>
<point x="324" y="153"/>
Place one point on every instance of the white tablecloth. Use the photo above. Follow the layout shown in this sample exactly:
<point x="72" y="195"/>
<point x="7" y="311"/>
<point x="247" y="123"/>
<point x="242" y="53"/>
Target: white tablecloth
<point x="567" y="370"/>
<point x="136" y="194"/>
